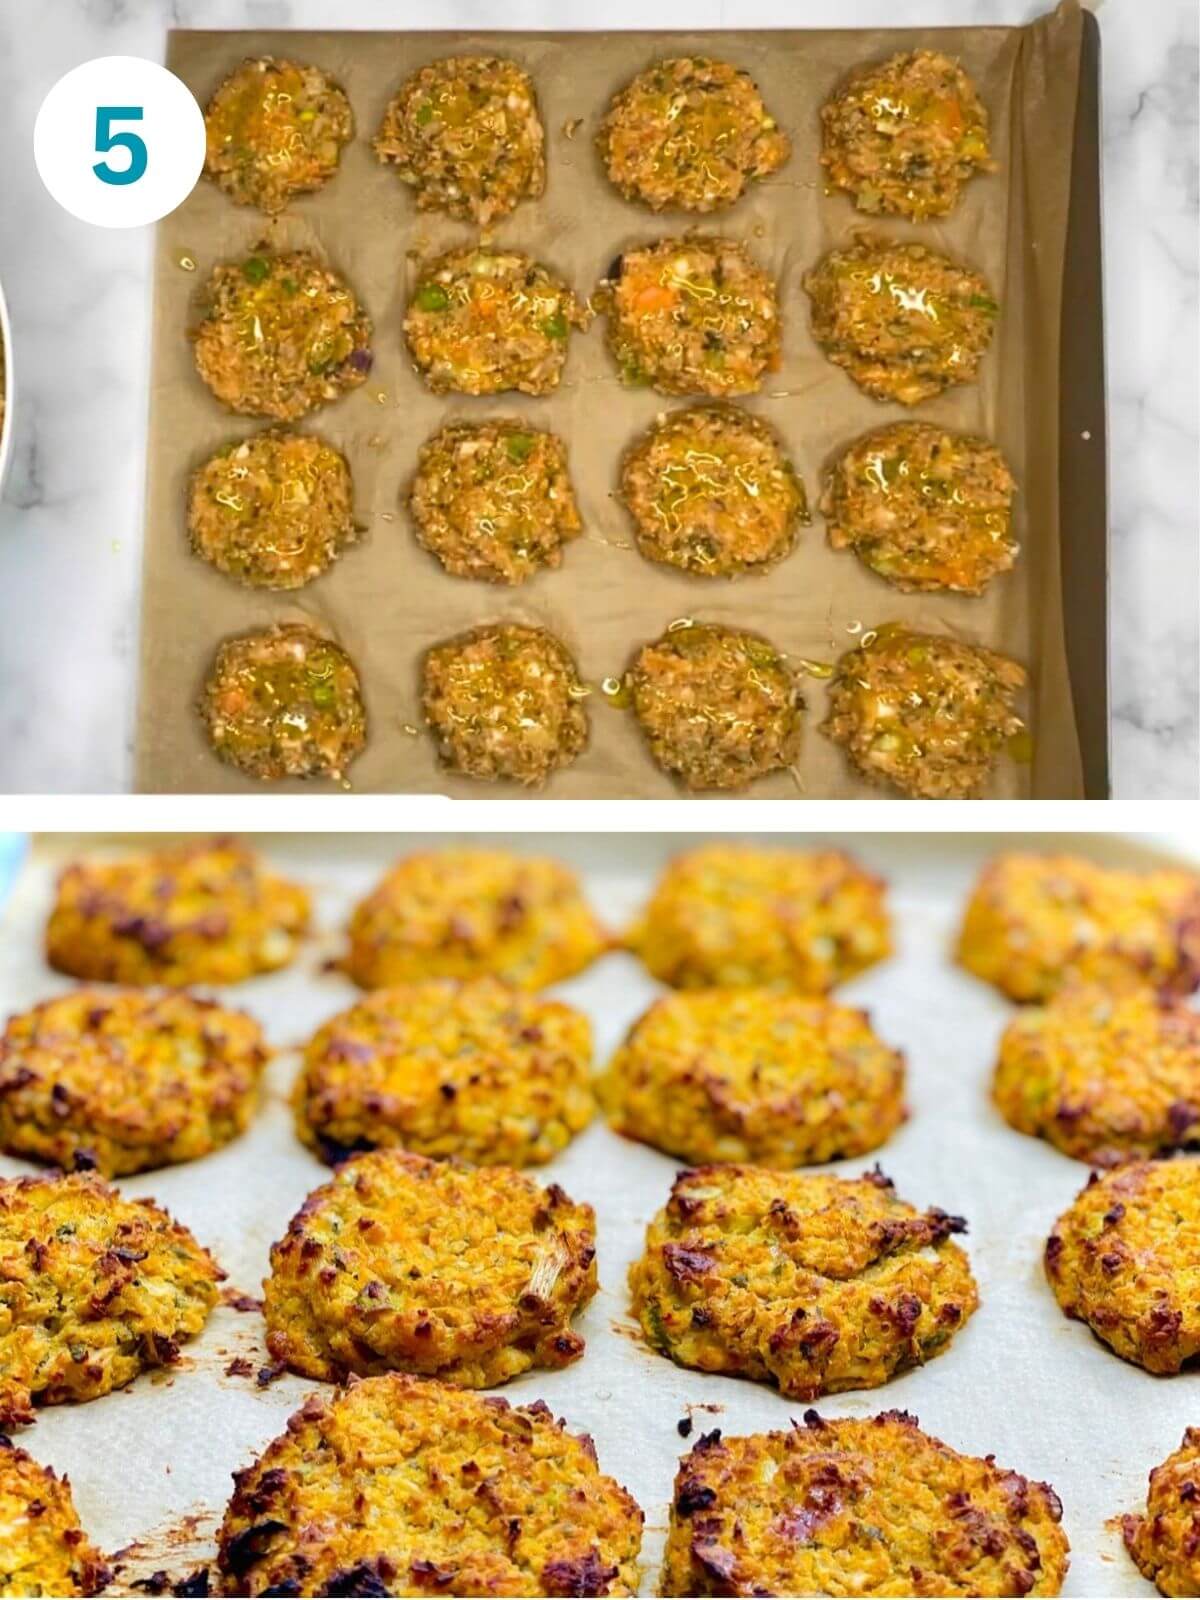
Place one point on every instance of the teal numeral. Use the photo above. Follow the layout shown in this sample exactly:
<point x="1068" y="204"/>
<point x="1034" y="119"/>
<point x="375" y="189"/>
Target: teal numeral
<point x="107" y="140"/>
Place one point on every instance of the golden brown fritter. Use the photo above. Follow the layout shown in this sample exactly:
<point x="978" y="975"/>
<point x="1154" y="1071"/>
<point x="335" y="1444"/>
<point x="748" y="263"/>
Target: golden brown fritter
<point x="477" y="1070"/>
<point x="871" y="1507"/>
<point x="1122" y="1258"/>
<point x="469" y="912"/>
<point x="812" y="1283"/>
<point x="93" y="1290"/>
<point x="123" y="1081"/>
<point x="401" y="1485"/>
<point x="204" y="912"/>
<point x="755" y="1075"/>
<point x="732" y="916"/>
<point x="275" y="129"/>
<point x="471" y="1275"/>
<point x="43" y="1549"/>
<point x="1034" y="923"/>
<point x="1165" y="1543"/>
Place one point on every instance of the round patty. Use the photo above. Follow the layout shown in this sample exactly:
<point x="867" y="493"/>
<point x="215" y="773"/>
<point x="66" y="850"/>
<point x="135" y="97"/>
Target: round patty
<point x="906" y="135"/>
<point x="732" y="916"/>
<point x="125" y="1081"/>
<point x="45" y="1551"/>
<point x="863" y="1507"/>
<point x="471" y="1275"/>
<point x="477" y="1070"/>
<point x="273" y="511"/>
<point x="105" y="1288"/>
<point x="281" y="335"/>
<point x="903" y="321"/>
<point x="275" y="129"/>
<point x="924" y="508"/>
<point x="689" y="132"/>
<point x="692" y="316"/>
<point x="814" y="1284"/>
<point x="1034" y="923"/>
<point x="465" y="134"/>
<point x="755" y="1075"/>
<point x="711" y="491"/>
<point x="505" y="702"/>
<point x="206" y="912"/>
<point x="467" y="913"/>
<point x="284" y="702"/>
<point x="718" y="707"/>
<point x="481" y="321"/>
<point x="925" y="713"/>
<point x="401" y="1485"/>
<point x="493" y="500"/>
<point x="1165" y="1543"/>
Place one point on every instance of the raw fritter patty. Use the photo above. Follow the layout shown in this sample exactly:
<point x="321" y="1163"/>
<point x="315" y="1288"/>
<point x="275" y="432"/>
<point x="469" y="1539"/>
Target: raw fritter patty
<point x="94" y="1288"/>
<point x="1123" y="1259"/>
<point x="469" y="913"/>
<point x="731" y="916"/>
<point x="692" y="316"/>
<point x="281" y="334"/>
<point x="718" y="707"/>
<point x="273" y="511"/>
<point x="689" y="132"/>
<point x="1165" y="1542"/>
<point x="849" y="1507"/>
<point x="205" y="912"/>
<point x="1103" y="1074"/>
<point x="481" y="321"/>
<point x="465" y="134"/>
<point x="1034" y="923"/>
<point x="923" y="712"/>
<point x="124" y="1081"/>
<point x="401" y="1485"/>
<point x="925" y="508"/>
<point x="471" y="1275"/>
<point x="710" y="490"/>
<point x="43" y="1551"/>
<point x="284" y="702"/>
<point x="755" y="1075"/>
<point x="493" y="500"/>
<point x="905" y="136"/>
<point x="275" y="129"/>
<point x="477" y="1070"/>
<point x="813" y="1284"/>
<point x="904" y="321"/>
<point x="505" y="702"/>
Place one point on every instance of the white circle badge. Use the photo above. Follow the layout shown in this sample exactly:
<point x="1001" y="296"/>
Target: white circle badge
<point x="119" y="142"/>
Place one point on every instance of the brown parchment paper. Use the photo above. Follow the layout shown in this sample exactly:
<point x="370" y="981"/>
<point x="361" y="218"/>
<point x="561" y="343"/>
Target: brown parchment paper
<point x="387" y="601"/>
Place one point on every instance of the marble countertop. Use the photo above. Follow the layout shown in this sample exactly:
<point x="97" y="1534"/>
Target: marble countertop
<point x="70" y="521"/>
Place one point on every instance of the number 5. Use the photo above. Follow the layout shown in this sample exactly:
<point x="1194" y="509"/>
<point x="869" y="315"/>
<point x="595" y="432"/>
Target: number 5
<point x="106" y="139"/>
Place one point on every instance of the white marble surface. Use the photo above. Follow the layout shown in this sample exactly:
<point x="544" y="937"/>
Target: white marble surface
<point x="70" y="520"/>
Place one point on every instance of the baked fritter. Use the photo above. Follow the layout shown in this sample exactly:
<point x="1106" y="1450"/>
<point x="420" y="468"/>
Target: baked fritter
<point x="205" y="912"/>
<point x="94" y="1289"/>
<point x="471" y="1275"/>
<point x="468" y="913"/>
<point x="1034" y="923"/>
<point x="757" y="1075"/>
<point x="43" y="1549"/>
<point x="402" y="1485"/>
<point x="1165" y="1543"/>
<point x="923" y="712"/>
<point x="732" y="916"/>
<point x="903" y="321"/>
<point x="477" y="1070"/>
<point x="689" y="132"/>
<point x="505" y="702"/>
<point x="812" y="1283"/>
<point x="848" y="1507"/>
<point x="275" y="129"/>
<point x="905" y="135"/>
<point x="123" y="1081"/>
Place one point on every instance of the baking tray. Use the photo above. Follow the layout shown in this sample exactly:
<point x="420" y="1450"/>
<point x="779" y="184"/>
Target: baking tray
<point x="1032" y="230"/>
<point x="1020" y="1380"/>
